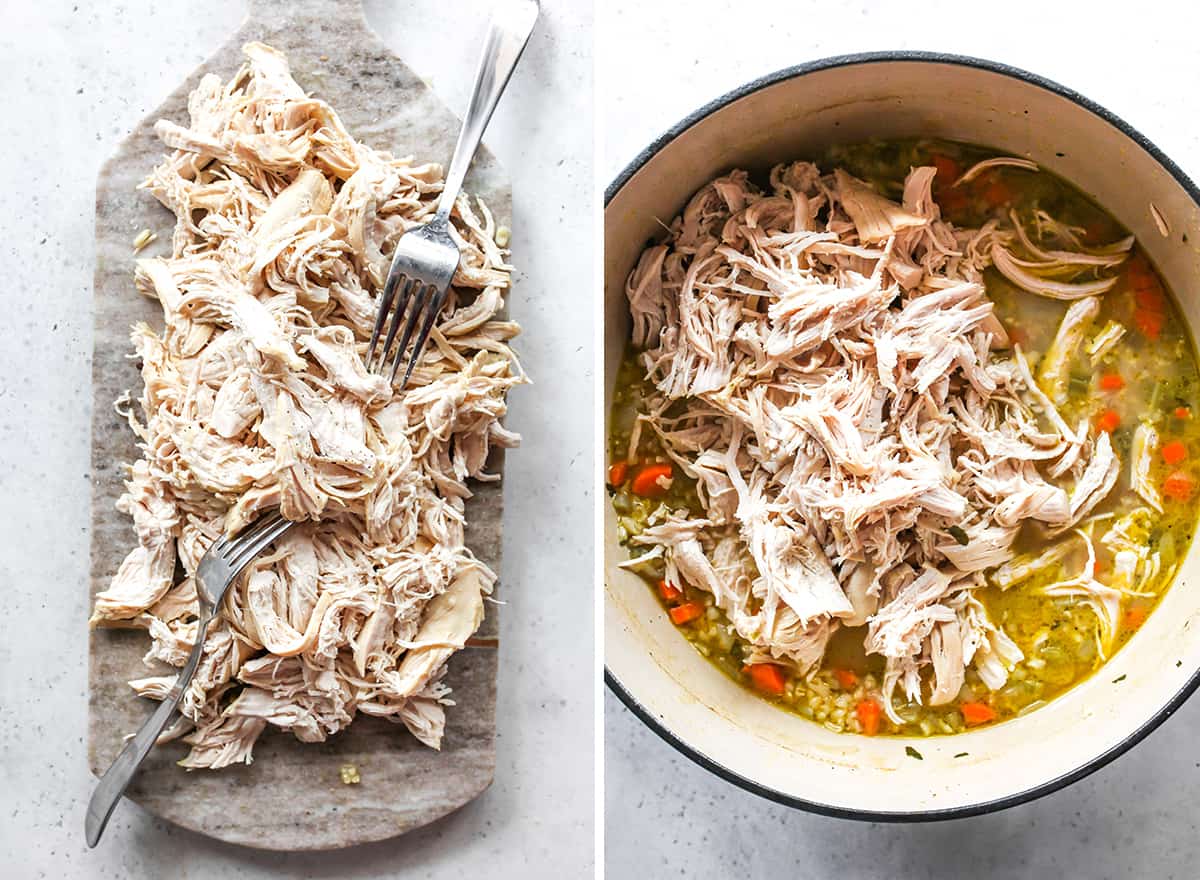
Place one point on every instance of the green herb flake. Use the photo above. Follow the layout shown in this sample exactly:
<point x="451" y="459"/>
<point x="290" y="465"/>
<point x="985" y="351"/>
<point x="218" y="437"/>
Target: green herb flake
<point x="913" y="753"/>
<point x="1178" y="663"/>
<point x="959" y="535"/>
<point x="961" y="755"/>
<point x="1118" y="679"/>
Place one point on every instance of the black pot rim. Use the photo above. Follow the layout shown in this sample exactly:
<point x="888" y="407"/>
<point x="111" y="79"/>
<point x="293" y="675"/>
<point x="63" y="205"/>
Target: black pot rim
<point x="1058" y="782"/>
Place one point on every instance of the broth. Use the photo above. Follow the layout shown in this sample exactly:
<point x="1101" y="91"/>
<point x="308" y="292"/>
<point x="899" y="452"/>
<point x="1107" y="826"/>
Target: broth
<point x="1149" y="377"/>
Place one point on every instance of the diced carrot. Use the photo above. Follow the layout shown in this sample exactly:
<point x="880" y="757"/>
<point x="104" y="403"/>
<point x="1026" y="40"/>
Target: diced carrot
<point x="685" y="613"/>
<point x="977" y="713"/>
<point x="952" y="201"/>
<point x="1178" y="485"/>
<point x="767" y="677"/>
<point x="668" y="592"/>
<point x="1174" y="452"/>
<point x="997" y="193"/>
<point x="1134" y="617"/>
<point x="845" y="678"/>
<point x="1097" y="230"/>
<point x="1108" y="421"/>
<point x="1150" y="299"/>
<point x="1141" y="276"/>
<point x="1182" y="412"/>
<point x="646" y="482"/>
<point x="1111" y="382"/>
<point x="1150" y="323"/>
<point x="948" y="170"/>
<point x="869" y="715"/>
<point x="618" y="472"/>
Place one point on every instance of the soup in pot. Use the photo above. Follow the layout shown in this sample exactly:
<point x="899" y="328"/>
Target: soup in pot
<point x="905" y="438"/>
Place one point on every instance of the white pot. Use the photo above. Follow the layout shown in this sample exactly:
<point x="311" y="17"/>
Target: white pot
<point x="726" y="728"/>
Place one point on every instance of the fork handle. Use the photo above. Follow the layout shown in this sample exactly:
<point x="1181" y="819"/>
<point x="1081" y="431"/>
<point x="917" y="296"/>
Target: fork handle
<point x="508" y="32"/>
<point x="120" y="773"/>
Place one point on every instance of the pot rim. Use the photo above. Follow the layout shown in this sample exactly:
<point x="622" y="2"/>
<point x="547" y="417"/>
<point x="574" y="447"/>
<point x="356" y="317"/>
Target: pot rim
<point x="626" y="697"/>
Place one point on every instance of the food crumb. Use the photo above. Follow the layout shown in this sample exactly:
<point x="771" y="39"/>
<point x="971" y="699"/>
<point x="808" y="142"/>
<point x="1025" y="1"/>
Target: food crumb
<point x="143" y="238"/>
<point x="503" y="234"/>
<point x="350" y="775"/>
<point x="324" y="57"/>
<point x="1164" y="229"/>
<point x="913" y="753"/>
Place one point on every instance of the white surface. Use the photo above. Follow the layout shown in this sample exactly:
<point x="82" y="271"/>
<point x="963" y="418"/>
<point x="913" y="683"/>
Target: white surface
<point x="77" y="79"/>
<point x="665" y="815"/>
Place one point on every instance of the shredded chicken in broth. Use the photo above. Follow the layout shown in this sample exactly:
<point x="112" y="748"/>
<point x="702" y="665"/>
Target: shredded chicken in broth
<point x="904" y="440"/>
<point x="256" y="397"/>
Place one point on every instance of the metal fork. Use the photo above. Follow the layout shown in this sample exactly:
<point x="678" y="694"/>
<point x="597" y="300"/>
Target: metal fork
<point x="426" y="256"/>
<point x="218" y="568"/>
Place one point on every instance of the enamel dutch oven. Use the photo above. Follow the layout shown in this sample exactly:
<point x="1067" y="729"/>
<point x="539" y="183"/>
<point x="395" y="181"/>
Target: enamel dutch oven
<point x="794" y="114"/>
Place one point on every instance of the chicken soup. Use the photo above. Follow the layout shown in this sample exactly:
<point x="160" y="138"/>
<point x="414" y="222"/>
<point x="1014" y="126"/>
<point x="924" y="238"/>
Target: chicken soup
<point x="905" y="437"/>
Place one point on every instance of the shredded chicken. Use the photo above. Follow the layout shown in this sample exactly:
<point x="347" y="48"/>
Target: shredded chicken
<point x="255" y="397"/>
<point x="863" y="448"/>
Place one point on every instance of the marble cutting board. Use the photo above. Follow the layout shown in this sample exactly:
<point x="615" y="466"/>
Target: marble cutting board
<point x="291" y="797"/>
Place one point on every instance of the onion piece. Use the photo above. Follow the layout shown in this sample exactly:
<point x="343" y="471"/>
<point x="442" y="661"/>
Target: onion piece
<point x="1003" y="161"/>
<point x="1141" y="457"/>
<point x="1010" y="268"/>
<point x="1112" y="254"/>
<point x="1054" y="370"/>
<point x="1103" y="342"/>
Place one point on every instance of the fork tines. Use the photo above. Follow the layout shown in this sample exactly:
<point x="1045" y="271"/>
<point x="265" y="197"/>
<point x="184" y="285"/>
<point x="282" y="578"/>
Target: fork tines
<point x="250" y="541"/>
<point x="415" y="299"/>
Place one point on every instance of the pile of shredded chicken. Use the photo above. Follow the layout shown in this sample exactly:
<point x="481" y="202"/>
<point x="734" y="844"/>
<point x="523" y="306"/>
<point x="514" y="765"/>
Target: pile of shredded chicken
<point x="255" y="397"/>
<point x="866" y="443"/>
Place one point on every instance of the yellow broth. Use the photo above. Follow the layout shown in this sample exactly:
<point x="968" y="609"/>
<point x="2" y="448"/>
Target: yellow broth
<point x="1150" y="375"/>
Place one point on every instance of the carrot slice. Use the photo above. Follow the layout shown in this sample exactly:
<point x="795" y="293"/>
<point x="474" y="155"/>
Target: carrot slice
<point x="1111" y="382"/>
<point x="869" y="715"/>
<point x="1149" y="322"/>
<point x="846" y="678"/>
<point x="646" y="482"/>
<point x="618" y="472"/>
<point x="1174" y="452"/>
<point x="1150" y="299"/>
<point x="1134" y="617"/>
<point x="952" y="201"/>
<point x="948" y="170"/>
<point x="1183" y="412"/>
<point x="1141" y="276"/>
<point x="685" y="613"/>
<point x="1097" y="230"/>
<point x="1178" y="485"/>
<point x="977" y="713"/>
<point x="997" y="193"/>
<point x="767" y="677"/>
<point x="1108" y="421"/>
<point x="668" y="592"/>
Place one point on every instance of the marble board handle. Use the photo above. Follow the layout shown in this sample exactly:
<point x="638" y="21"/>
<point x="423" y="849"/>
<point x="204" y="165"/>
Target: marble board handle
<point x="299" y="12"/>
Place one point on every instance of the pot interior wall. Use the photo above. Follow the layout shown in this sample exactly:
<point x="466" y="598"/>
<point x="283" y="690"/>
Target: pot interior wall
<point x="685" y="695"/>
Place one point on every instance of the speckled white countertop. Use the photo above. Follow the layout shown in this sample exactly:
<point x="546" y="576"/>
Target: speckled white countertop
<point x="666" y="817"/>
<point x="77" y="77"/>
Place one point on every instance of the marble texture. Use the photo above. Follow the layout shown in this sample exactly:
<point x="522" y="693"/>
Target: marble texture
<point x="667" y="817"/>
<point x="293" y="790"/>
<point x="88" y="76"/>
